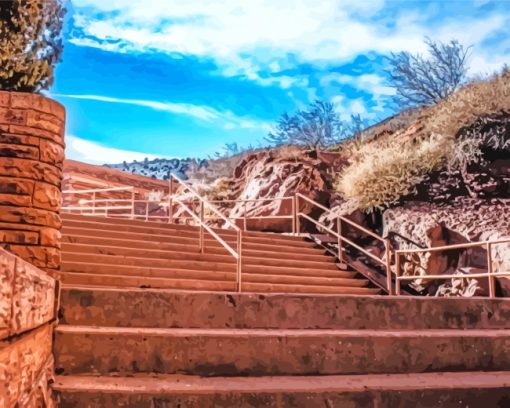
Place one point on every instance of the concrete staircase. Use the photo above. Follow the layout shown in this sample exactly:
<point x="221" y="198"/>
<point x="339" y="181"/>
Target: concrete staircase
<point x="124" y="253"/>
<point x="166" y="348"/>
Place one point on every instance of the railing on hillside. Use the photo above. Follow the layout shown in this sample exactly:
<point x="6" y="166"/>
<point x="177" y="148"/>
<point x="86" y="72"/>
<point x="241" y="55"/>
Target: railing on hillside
<point x="200" y="219"/>
<point x="245" y="217"/>
<point x="491" y="275"/>
<point x="126" y="207"/>
<point x="113" y="207"/>
<point x="342" y="239"/>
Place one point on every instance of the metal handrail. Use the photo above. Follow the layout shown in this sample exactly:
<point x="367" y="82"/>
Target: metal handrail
<point x="202" y="200"/>
<point x="490" y="274"/>
<point x="238" y="255"/>
<point x="341" y="239"/>
<point x="208" y="229"/>
<point x="98" y="190"/>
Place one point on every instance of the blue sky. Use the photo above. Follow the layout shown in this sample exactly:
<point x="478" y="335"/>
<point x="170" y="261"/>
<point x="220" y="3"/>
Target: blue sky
<point x="180" y="78"/>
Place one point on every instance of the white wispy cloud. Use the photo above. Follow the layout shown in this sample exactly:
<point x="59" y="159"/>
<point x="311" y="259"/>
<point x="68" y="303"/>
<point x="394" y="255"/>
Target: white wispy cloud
<point x="95" y="153"/>
<point x="226" y="118"/>
<point x="247" y="37"/>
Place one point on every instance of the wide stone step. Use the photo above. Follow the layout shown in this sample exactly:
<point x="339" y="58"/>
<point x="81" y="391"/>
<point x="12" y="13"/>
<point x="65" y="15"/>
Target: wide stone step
<point x="212" y="247"/>
<point x="252" y="352"/>
<point x="162" y="254"/>
<point x="227" y="264"/>
<point x="127" y="281"/>
<point x="173" y="308"/>
<point x="217" y="274"/>
<point x="185" y="236"/>
<point x="120" y="224"/>
<point x="426" y="390"/>
<point x="302" y="288"/>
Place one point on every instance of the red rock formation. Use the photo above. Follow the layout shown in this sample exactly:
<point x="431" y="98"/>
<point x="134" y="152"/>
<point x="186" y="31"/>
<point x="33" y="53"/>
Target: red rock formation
<point x="281" y="173"/>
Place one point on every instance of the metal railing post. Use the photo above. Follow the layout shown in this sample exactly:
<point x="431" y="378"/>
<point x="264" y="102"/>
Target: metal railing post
<point x="397" y="273"/>
<point x="201" y="227"/>
<point x="94" y="202"/>
<point x="294" y="215"/>
<point x="492" y="283"/>
<point x="244" y="217"/>
<point x="132" y="204"/>
<point x="340" y="245"/>
<point x="239" y="260"/>
<point x="298" y="223"/>
<point x="388" y="266"/>
<point x="146" y="211"/>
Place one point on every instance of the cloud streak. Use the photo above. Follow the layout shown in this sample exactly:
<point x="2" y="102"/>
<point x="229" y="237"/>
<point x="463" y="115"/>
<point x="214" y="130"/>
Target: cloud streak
<point x="95" y="153"/>
<point x="226" y="119"/>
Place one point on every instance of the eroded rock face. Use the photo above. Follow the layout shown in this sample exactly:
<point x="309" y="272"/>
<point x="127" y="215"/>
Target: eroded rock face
<point x="418" y="224"/>
<point x="277" y="174"/>
<point x="31" y="160"/>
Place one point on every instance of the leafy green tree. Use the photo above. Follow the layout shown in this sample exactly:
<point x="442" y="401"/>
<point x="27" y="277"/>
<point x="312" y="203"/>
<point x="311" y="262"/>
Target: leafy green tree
<point x="30" y="43"/>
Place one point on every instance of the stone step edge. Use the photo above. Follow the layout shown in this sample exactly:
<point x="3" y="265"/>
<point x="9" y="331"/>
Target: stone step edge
<point x="229" y="332"/>
<point x="161" y="384"/>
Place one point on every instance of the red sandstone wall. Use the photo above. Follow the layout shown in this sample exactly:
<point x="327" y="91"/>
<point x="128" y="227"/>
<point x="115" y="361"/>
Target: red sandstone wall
<point x="31" y="160"/>
<point x="27" y="313"/>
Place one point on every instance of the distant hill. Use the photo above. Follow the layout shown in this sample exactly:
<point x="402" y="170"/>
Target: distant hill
<point x="160" y="168"/>
<point x="204" y="170"/>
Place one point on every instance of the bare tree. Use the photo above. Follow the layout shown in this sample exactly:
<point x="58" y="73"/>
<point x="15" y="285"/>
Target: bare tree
<point x="315" y="128"/>
<point x="424" y="81"/>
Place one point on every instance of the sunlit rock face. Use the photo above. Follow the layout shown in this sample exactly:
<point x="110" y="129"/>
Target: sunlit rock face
<point x="277" y="174"/>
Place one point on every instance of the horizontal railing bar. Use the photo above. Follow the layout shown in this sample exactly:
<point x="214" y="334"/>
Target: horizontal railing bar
<point x="98" y="190"/>
<point x="374" y="257"/>
<point x="344" y="239"/>
<point x="451" y="247"/>
<point x="208" y="229"/>
<point x="348" y="221"/>
<point x="116" y="200"/>
<point x="450" y="276"/>
<point x="120" y="207"/>
<point x="252" y="200"/>
<point x="106" y="200"/>
<point x="319" y="224"/>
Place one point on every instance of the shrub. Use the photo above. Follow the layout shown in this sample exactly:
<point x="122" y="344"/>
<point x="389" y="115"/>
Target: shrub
<point x="30" y="43"/>
<point x="315" y="128"/>
<point x="388" y="168"/>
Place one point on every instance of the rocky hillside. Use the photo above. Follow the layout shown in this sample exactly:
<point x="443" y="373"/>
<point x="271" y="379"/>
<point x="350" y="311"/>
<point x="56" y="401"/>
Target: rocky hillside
<point x="436" y="176"/>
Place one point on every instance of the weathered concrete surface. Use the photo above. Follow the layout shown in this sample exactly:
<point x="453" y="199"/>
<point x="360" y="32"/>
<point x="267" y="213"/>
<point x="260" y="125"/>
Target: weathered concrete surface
<point x="32" y="155"/>
<point x="27" y="296"/>
<point x="370" y="391"/>
<point x="27" y="308"/>
<point x="167" y="308"/>
<point x="213" y="352"/>
<point x="26" y="367"/>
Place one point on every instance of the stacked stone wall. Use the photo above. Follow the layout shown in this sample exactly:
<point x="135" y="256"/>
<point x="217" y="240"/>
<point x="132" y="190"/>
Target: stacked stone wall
<point x="31" y="161"/>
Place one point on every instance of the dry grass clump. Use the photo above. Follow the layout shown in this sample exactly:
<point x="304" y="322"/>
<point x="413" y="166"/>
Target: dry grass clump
<point x="384" y="170"/>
